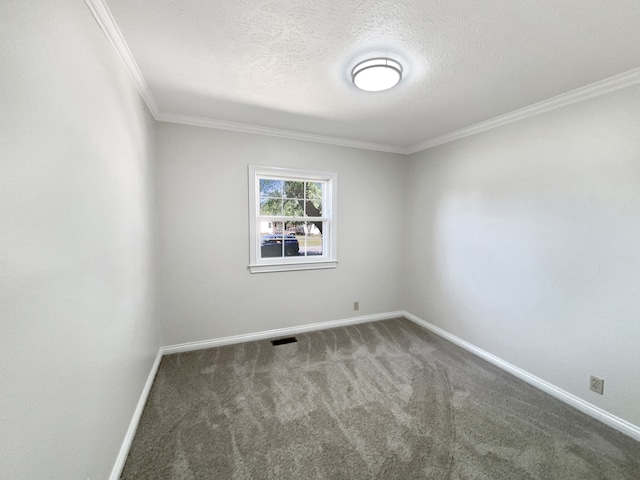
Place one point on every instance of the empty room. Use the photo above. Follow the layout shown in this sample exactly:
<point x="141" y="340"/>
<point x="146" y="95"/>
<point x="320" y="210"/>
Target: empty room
<point x="285" y="239"/>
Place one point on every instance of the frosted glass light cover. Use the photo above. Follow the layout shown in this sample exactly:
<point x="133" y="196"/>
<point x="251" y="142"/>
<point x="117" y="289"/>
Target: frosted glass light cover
<point x="377" y="74"/>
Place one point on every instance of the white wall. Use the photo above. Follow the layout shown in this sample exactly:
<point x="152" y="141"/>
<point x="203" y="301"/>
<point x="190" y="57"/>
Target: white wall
<point x="77" y="338"/>
<point x="523" y="241"/>
<point x="527" y="244"/>
<point x="205" y="290"/>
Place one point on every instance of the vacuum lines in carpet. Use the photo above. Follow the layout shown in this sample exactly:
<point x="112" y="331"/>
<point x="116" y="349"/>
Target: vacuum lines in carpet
<point x="382" y="400"/>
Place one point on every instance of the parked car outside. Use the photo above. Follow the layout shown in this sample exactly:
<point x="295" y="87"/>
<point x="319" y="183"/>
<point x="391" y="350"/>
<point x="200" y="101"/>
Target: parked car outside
<point x="271" y="245"/>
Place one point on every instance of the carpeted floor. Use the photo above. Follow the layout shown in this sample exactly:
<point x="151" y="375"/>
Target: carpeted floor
<point x="383" y="400"/>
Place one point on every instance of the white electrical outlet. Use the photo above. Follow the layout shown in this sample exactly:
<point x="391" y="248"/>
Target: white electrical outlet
<point x="597" y="385"/>
<point x="356" y="305"/>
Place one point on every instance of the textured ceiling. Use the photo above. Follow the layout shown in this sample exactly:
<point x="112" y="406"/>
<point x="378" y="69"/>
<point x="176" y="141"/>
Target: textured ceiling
<point x="285" y="64"/>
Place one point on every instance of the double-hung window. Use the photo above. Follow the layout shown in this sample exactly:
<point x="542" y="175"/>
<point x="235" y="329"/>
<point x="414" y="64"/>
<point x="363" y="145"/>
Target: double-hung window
<point x="292" y="222"/>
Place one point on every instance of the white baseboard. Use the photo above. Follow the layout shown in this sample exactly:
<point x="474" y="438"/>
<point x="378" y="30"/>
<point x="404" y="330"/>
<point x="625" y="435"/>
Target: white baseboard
<point x="596" y="412"/>
<point x="133" y="426"/>
<point x="279" y="332"/>
<point x="217" y="342"/>
<point x="605" y="417"/>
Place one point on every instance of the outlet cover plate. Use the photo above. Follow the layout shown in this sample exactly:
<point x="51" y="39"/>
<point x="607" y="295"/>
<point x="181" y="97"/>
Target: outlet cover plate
<point x="596" y="384"/>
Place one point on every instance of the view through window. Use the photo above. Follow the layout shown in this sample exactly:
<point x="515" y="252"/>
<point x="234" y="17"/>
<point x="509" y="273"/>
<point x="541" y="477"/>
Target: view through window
<point x="298" y="207"/>
<point x="291" y="215"/>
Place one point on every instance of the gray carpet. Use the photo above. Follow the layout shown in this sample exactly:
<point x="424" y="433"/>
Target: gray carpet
<point x="383" y="400"/>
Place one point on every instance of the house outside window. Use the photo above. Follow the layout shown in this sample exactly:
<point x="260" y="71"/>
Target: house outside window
<point x="292" y="219"/>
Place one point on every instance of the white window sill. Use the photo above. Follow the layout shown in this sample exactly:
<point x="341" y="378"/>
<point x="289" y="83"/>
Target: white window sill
<point x="289" y="267"/>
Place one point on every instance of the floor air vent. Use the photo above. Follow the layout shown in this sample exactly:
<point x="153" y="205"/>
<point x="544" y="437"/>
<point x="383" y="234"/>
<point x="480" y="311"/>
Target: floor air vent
<point x="283" y="341"/>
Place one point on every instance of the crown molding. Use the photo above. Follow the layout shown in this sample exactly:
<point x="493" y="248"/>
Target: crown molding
<point x="198" y="121"/>
<point x="108" y="25"/>
<point x="602" y="87"/>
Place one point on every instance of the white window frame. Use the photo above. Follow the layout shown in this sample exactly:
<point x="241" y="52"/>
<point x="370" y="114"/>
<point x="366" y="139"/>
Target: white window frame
<point x="328" y="259"/>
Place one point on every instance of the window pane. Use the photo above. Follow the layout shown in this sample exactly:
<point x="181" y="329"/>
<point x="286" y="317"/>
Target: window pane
<point x="313" y="208"/>
<point x="295" y="228"/>
<point x="310" y="238"/>
<point x="293" y="208"/>
<point x="266" y="226"/>
<point x="271" y="188"/>
<point x="293" y="189"/>
<point x="270" y="206"/>
<point x="278" y="242"/>
<point x="314" y="191"/>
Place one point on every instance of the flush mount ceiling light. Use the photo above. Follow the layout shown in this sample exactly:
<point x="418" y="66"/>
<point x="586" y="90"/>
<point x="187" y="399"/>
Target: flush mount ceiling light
<point x="376" y="74"/>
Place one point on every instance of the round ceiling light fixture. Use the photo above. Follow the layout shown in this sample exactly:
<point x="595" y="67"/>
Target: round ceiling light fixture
<point x="376" y="74"/>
